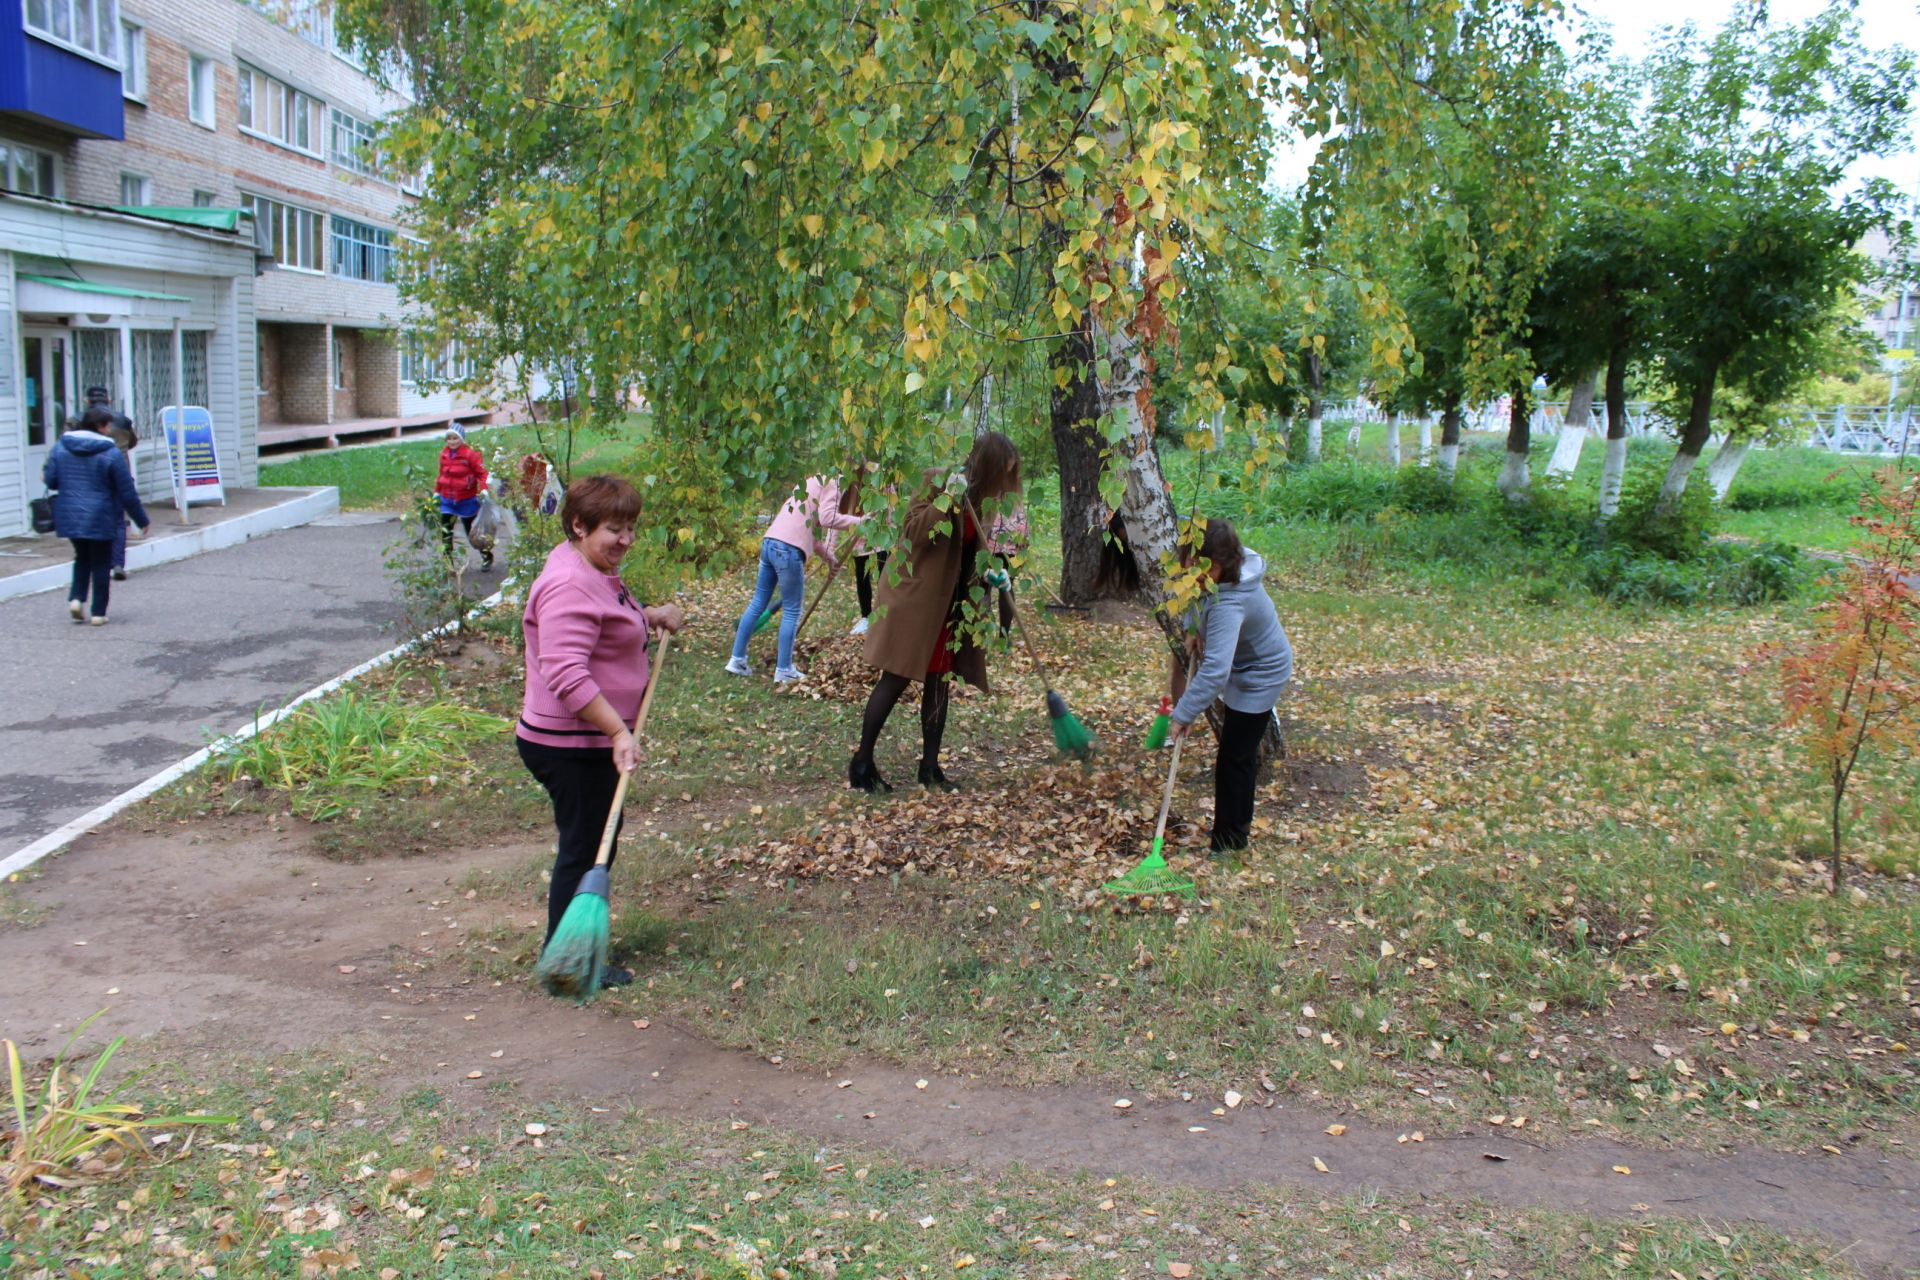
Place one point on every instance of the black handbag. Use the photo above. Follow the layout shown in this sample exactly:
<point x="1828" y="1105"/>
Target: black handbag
<point x="42" y="513"/>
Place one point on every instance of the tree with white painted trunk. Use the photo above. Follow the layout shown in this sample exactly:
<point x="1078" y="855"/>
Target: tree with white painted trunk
<point x="1749" y="137"/>
<point x="1573" y="428"/>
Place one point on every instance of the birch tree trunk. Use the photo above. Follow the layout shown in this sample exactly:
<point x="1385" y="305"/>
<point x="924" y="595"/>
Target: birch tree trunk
<point x="1426" y="440"/>
<point x="1573" y="432"/>
<point x="1613" y="470"/>
<point x="1514" y="473"/>
<point x="1393" y="440"/>
<point x="1726" y="465"/>
<point x="1450" y="441"/>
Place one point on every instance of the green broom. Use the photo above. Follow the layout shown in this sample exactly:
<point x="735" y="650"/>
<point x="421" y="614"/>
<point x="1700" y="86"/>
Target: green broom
<point x="577" y="952"/>
<point x="1153" y="875"/>
<point x="760" y="623"/>
<point x="1070" y="737"/>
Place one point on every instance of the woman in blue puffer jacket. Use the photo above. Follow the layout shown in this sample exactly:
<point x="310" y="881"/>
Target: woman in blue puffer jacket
<point x="96" y="493"/>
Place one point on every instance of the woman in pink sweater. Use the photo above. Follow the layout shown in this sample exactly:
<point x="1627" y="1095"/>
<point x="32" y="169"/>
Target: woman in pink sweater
<point x="586" y="671"/>
<point x="783" y="562"/>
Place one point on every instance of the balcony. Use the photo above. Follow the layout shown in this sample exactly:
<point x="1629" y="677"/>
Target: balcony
<point x="56" y="84"/>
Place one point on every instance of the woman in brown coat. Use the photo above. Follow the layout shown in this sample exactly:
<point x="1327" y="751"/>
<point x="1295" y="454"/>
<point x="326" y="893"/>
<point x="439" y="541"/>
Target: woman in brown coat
<point x="918" y="631"/>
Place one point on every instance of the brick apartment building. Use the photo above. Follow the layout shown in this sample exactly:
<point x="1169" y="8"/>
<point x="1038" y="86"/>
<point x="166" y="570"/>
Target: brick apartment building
<point x="205" y="163"/>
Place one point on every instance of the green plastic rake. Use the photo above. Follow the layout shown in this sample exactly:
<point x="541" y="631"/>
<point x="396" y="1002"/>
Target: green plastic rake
<point x="1153" y="875"/>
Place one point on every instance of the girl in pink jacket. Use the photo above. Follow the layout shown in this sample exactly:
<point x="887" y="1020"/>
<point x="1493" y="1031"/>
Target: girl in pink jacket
<point x="783" y="559"/>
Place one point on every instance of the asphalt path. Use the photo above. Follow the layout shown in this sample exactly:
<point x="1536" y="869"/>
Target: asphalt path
<point x="194" y="649"/>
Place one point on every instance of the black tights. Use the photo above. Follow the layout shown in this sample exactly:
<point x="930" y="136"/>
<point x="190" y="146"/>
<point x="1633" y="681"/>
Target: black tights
<point x="934" y="697"/>
<point x="863" y="581"/>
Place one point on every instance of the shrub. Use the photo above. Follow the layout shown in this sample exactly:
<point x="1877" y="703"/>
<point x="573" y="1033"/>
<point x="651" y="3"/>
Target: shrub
<point x="1682" y="533"/>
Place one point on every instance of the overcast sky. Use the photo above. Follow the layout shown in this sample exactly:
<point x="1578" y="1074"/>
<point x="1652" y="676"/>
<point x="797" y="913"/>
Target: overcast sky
<point x="1633" y="23"/>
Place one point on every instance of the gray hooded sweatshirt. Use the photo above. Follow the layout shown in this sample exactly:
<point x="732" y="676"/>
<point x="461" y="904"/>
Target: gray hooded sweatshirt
<point x="1248" y="659"/>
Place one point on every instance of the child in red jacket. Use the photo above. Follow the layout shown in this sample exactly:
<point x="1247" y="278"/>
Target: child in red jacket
<point x="462" y="479"/>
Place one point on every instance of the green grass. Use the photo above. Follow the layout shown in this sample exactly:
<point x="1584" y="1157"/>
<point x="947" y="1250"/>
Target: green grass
<point x="375" y="477"/>
<point x="326" y="1175"/>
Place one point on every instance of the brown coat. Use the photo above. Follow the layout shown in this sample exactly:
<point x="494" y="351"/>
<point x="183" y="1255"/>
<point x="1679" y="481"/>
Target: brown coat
<point x="910" y="611"/>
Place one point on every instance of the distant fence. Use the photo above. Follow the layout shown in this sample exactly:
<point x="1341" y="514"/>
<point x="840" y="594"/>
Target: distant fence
<point x="1874" y="430"/>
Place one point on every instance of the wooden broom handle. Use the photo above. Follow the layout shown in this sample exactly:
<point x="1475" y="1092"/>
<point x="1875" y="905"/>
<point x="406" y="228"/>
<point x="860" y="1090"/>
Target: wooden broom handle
<point x="1018" y="623"/>
<point x="831" y="575"/>
<point x="639" y="723"/>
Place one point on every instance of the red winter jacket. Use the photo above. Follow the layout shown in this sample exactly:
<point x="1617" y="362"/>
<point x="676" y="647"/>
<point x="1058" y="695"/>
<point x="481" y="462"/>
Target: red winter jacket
<point x="462" y="474"/>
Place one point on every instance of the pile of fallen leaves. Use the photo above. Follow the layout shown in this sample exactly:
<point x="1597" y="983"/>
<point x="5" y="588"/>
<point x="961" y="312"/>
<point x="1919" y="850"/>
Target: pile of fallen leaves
<point x="1062" y="825"/>
<point x="837" y="671"/>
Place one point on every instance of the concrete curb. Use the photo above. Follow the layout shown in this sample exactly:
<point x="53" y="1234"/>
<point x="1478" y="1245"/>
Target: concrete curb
<point x="312" y="504"/>
<point x="58" y="839"/>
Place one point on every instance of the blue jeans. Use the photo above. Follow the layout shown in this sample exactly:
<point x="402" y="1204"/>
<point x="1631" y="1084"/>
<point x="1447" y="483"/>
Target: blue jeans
<point x="787" y="566"/>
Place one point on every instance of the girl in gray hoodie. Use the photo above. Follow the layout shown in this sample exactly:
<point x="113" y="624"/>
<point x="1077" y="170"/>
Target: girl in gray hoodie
<point x="1247" y="662"/>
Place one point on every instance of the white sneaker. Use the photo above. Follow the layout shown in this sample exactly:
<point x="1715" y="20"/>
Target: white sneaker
<point x="97" y="620"/>
<point x="738" y="667"/>
<point x="76" y="611"/>
<point x="859" y="628"/>
<point x="788" y="675"/>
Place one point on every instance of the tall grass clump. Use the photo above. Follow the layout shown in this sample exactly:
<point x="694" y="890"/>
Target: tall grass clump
<point x="329" y="753"/>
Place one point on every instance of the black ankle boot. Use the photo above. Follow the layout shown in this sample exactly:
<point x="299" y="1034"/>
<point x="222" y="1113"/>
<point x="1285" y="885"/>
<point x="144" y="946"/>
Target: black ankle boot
<point x="934" y="778"/>
<point x="862" y="776"/>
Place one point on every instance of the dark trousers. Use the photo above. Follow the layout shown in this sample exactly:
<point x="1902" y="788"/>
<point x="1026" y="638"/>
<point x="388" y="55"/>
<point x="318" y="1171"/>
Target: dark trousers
<point x="1236" y="773"/>
<point x="92" y="568"/>
<point x="120" y="544"/>
<point x="580" y="781"/>
<point x="446" y="533"/>
<point x="863" y="578"/>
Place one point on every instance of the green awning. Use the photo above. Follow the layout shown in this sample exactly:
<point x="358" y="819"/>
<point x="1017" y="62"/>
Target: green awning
<point x="111" y="291"/>
<point x="207" y="219"/>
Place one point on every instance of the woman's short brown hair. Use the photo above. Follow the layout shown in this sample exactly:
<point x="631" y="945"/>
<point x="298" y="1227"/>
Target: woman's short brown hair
<point x="595" y="500"/>
<point x="1220" y="544"/>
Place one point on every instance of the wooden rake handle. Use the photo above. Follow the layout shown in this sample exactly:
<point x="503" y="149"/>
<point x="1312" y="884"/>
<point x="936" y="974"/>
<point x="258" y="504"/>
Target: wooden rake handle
<point x="818" y="597"/>
<point x="639" y="723"/>
<point x="1166" y="793"/>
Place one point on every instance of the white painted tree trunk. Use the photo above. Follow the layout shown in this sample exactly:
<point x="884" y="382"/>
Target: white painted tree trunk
<point x="1675" y="485"/>
<point x="1449" y="460"/>
<point x="1725" y="465"/>
<point x="1315" y="438"/>
<point x="1613" y="473"/>
<point x="1393" y="440"/>
<point x="1426" y="442"/>
<point x="1514" y="477"/>
<point x="1573" y="433"/>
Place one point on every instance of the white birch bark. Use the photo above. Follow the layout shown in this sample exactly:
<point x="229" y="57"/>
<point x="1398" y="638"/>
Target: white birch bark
<point x="1315" y="438"/>
<point x="1393" y="440"/>
<point x="1145" y="509"/>
<point x="1725" y="465"/>
<point x="1613" y="473"/>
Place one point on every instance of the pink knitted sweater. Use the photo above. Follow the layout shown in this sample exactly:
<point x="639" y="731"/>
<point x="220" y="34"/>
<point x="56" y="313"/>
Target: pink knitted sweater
<point x="585" y="636"/>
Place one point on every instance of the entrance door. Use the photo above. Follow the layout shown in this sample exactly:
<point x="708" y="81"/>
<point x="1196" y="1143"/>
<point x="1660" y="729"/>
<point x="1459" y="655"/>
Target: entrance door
<point x="48" y="355"/>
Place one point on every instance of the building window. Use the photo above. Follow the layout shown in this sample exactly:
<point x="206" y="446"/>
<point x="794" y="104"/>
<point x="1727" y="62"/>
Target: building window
<point x="279" y="112"/>
<point x="91" y="27"/>
<point x="361" y="252"/>
<point x="203" y="199"/>
<point x="447" y="365"/>
<point x="136" y="189"/>
<point x="291" y="233"/>
<point x="133" y="62"/>
<point x="356" y="145"/>
<point x="200" y="90"/>
<point x="29" y="170"/>
<point x="311" y="20"/>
